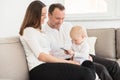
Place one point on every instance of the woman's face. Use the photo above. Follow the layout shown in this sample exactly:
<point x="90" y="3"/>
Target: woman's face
<point x="43" y="14"/>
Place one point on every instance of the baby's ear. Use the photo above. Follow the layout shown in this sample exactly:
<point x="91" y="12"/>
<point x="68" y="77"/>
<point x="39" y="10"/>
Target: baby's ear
<point x="84" y="35"/>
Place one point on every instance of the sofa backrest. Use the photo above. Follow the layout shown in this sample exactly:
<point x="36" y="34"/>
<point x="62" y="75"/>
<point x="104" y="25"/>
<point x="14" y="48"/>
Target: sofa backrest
<point x="105" y="44"/>
<point x="13" y="64"/>
<point x="118" y="42"/>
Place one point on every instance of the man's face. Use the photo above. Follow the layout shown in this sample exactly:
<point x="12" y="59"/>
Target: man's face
<point x="56" y="18"/>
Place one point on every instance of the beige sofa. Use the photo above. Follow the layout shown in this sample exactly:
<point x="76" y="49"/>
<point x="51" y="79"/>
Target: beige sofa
<point x="13" y="64"/>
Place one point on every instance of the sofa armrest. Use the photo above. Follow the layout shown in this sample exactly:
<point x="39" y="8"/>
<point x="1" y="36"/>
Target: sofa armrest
<point x="12" y="59"/>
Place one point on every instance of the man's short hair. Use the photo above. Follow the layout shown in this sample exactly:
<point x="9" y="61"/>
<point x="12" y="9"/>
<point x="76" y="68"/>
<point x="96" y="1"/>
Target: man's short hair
<point x="55" y="5"/>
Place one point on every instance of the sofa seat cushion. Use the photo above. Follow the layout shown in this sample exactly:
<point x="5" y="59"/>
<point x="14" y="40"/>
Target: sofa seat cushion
<point x="118" y="61"/>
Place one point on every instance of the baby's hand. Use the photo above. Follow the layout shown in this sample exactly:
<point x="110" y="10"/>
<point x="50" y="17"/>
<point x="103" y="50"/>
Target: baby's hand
<point x="70" y="52"/>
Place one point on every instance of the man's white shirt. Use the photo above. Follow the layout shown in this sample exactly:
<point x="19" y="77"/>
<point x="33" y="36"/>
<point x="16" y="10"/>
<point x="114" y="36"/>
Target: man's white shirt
<point x="59" y="39"/>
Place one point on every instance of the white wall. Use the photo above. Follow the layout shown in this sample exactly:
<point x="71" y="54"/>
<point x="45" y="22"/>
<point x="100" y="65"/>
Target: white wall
<point x="98" y="24"/>
<point x="111" y="19"/>
<point x="12" y="13"/>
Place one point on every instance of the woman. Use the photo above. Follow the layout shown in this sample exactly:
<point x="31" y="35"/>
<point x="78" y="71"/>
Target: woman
<point x="42" y="65"/>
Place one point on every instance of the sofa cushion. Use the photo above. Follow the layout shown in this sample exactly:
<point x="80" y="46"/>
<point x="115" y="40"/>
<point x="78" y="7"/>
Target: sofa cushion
<point x="12" y="59"/>
<point x="91" y="42"/>
<point x="105" y="44"/>
<point x="118" y="42"/>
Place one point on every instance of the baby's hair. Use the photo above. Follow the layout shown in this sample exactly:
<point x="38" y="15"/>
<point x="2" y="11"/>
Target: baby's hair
<point x="78" y="31"/>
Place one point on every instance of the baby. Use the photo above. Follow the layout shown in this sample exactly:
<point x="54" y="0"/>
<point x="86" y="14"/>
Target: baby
<point x="80" y="46"/>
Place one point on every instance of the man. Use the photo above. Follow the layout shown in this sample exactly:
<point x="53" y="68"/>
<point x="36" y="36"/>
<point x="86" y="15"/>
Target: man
<point x="58" y="33"/>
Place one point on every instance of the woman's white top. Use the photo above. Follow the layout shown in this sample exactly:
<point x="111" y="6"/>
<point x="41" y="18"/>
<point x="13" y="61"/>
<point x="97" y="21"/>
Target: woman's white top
<point x="34" y="43"/>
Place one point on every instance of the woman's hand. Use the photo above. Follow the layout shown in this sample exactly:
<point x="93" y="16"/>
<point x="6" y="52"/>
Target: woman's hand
<point x="49" y="58"/>
<point x="73" y="62"/>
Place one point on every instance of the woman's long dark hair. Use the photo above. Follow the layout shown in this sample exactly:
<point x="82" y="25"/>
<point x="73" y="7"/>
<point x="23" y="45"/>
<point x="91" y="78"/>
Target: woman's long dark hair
<point x="33" y="16"/>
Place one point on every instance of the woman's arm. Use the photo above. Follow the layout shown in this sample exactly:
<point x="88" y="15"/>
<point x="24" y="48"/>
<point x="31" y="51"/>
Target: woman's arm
<point x="51" y="59"/>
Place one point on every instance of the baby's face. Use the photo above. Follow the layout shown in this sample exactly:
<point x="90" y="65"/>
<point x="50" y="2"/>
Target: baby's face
<point x="77" y="40"/>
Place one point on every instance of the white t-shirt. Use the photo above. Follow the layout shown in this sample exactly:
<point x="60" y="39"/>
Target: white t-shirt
<point x="81" y="51"/>
<point x="59" y="39"/>
<point x="34" y="42"/>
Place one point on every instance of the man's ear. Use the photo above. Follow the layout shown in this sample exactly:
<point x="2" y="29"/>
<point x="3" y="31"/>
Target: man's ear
<point x="49" y="14"/>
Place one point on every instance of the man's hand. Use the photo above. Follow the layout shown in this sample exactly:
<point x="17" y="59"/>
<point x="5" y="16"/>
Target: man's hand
<point x="90" y="58"/>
